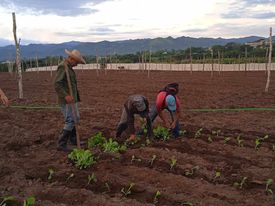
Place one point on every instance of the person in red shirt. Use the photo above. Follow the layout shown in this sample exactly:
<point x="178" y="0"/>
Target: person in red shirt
<point x="167" y="99"/>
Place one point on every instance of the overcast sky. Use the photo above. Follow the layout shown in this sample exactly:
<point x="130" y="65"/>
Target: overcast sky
<point x="55" y="21"/>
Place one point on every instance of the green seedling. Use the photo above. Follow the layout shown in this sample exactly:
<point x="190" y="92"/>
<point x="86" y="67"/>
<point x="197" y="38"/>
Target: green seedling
<point x="273" y="147"/>
<point x="92" y="178"/>
<point x="217" y="175"/>
<point x="6" y="200"/>
<point x="128" y="191"/>
<point x="97" y="140"/>
<point x="268" y="183"/>
<point x="70" y="177"/>
<point x="161" y="133"/>
<point x="152" y="160"/>
<point x="173" y="163"/>
<point x="113" y="146"/>
<point x="259" y="141"/>
<point x="51" y="172"/>
<point x="191" y="171"/>
<point x="188" y="203"/>
<point x="29" y="201"/>
<point x="157" y="196"/>
<point x="107" y="187"/>
<point x="217" y="133"/>
<point x="240" y="141"/>
<point x="147" y="142"/>
<point x="135" y="159"/>
<point x="82" y="158"/>
<point x="240" y="184"/>
<point x="183" y="132"/>
<point x="226" y="139"/>
<point x="210" y="140"/>
<point x="198" y="133"/>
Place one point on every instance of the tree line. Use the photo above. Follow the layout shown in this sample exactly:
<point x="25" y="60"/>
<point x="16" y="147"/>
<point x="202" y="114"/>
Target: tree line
<point x="231" y="53"/>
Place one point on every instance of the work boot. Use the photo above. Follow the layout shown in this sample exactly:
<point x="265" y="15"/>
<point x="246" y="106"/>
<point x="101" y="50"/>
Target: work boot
<point x="72" y="138"/>
<point x="63" y="139"/>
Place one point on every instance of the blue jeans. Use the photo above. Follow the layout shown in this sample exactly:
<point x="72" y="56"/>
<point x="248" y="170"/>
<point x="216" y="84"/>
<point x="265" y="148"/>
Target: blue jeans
<point x="154" y="113"/>
<point x="68" y="116"/>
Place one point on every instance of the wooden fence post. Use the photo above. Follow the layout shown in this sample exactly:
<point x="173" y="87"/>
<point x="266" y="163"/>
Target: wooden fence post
<point x="269" y="61"/>
<point x="18" y="65"/>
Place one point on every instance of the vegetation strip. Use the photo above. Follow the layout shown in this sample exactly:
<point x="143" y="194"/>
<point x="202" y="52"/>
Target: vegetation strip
<point x="188" y="110"/>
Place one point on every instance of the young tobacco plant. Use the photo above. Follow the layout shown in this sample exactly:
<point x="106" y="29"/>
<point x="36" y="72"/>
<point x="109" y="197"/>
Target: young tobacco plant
<point x="135" y="159"/>
<point x="259" y="141"/>
<point x="240" y="141"/>
<point x="198" y="133"/>
<point x="82" y="158"/>
<point x="173" y="163"/>
<point x="240" y="184"/>
<point x="152" y="160"/>
<point x="128" y="191"/>
<point x="29" y="201"/>
<point x="70" y="177"/>
<point x="161" y="133"/>
<point x="226" y="139"/>
<point x="113" y="146"/>
<point x="51" y="172"/>
<point x="268" y="183"/>
<point x="156" y="197"/>
<point x="6" y="200"/>
<point x="92" y="178"/>
<point x="97" y="140"/>
<point x="190" y="172"/>
<point x="218" y="174"/>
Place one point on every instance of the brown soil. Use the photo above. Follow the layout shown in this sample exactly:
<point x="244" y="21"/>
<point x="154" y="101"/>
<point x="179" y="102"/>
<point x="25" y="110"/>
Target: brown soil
<point x="28" y="142"/>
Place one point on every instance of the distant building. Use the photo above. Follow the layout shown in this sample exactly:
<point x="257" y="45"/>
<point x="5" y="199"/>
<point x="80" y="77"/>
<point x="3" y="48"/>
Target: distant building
<point x="259" y="43"/>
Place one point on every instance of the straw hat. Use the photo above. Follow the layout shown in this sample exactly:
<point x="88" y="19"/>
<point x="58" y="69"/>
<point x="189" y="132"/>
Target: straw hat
<point x="76" y="55"/>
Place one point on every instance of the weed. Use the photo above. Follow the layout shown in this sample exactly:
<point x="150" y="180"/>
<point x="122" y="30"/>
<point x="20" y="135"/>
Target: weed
<point x="51" y="172"/>
<point x="128" y="191"/>
<point x="157" y="196"/>
<point x="240" y="184"/>
<point x="92" y="178"/>
<point x="6" y="200"/>
<point x="161" y="133"/>
<point x="97" y="139"/>
<point x="82" y="158"/>
<point x="29" y="201"/>
<point x="268" y="183"/>
<point x="152" y="160"/>
<point x="198" y="133"/>
<point x="173" y="163"/>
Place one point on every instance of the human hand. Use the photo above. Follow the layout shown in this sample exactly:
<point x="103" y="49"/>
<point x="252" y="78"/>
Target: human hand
<point x="5" y="100"/>
<point x="131" y="138"/>
<point x="69" y="99"/>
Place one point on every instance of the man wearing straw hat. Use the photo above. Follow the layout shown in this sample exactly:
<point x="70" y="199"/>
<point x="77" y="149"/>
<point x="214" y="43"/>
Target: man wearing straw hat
<point x="68" y="97"/>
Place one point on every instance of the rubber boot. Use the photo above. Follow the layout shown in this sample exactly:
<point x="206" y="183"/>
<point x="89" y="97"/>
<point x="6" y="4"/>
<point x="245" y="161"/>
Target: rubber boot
<point x="63" y="139"/>
<point x="73" y="140"/>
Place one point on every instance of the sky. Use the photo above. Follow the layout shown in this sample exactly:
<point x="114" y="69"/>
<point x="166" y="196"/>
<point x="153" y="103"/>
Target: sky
<point x="56" y="21"/>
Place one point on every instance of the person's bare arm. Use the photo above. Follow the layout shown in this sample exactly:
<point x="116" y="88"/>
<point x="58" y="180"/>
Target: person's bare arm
<point x="4" y="98"/>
